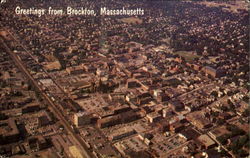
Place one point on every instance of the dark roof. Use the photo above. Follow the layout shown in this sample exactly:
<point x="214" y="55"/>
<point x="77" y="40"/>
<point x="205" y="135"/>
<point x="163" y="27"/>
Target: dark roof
<point x="44" y="120"/>
<point x="213" y="153"/>
<point x="190" y="133"/>
<point x="148" y="136"/>
<point x="144" y="95"/>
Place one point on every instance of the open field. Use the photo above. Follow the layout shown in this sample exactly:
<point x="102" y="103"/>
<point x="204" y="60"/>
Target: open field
<point x="189" y="56"/>
<point x="131" y="20"/>
<point x="229" y="6"/>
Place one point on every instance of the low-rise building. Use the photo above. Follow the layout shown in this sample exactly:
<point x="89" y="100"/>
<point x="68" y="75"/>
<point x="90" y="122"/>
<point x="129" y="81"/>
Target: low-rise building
<point x="121" y="133"/>
<point x="153" y="117"/>
<point x="206" y="141"/>
<point x="9" y="132"/>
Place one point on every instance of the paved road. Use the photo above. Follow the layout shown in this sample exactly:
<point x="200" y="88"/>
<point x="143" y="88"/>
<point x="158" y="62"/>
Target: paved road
<point x="53" y="107"/>
<point x="45" y="71"/>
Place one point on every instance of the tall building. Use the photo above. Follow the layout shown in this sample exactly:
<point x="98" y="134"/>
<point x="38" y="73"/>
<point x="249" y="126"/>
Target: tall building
<point x="81" y="118"/>
<point x="213" y="72"/>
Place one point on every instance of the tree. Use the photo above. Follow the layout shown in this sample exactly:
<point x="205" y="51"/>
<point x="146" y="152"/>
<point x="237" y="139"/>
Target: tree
<point x="223" y="139"/>
<point x="241" y="121"/>
<point x="214" y="93"/>
<point x="224" y="108"/>
<point x="3" y="116"/>
<point x="235" y="130"/>
<point x="243" y="153"/>
<point x="246" y="99"/>
<point x="247" y="145"/>
<point x="246" y="112"/>
<point x="223" y="153"/>
<point x="229" y="102"/>
<point x="243" y="140"/>
<point x="3" y="84"/>
<point x="220" y="121"/>
<point x="215" y="113"/>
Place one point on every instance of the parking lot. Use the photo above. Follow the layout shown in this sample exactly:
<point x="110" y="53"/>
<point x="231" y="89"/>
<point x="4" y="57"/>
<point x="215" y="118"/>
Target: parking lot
<point x="163" y="144"/>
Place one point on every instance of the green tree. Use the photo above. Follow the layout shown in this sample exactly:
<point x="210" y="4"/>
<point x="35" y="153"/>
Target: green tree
<point x="3" y="116"/>
<point x="246" y="112"/>
<point x="223" y="139"/>
<point x="214" y="93"/>
<point x="224" y="108"/>
<point x="243" y="140"/>
<point x="220" y="121"/>
<point x="243" y="153"/>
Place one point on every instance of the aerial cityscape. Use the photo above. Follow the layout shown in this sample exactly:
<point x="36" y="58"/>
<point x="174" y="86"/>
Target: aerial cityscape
<point x="124" y="79"/>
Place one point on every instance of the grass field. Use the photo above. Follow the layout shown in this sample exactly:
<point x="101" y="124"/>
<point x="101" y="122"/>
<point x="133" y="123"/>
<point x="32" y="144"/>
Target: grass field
<point x="229" y="6"/>
<point x="188" y="56"/>
<point x="131" y="20"/>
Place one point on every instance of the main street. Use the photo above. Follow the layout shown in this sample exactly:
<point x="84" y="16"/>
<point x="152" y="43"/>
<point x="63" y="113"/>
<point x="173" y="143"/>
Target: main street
<point x="52" y="106"/>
